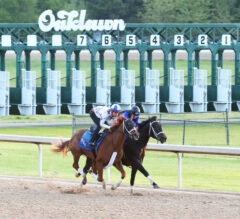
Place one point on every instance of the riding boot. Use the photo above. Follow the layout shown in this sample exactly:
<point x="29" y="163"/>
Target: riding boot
<point x="92" y="142"/>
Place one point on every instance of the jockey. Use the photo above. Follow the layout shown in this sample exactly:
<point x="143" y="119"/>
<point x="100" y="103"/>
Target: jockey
<point x="132" y="114"/>
<point x="100" y="115"/>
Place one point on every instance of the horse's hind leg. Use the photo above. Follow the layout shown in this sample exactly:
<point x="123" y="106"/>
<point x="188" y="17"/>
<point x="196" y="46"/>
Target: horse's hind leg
<point x="119" y="166"/>
<point x="86" y="169"/>
<point x="75" y="164"/>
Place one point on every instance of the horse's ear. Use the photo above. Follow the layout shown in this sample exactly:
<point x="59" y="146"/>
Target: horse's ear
<point x="121" y="117"/>
<point x="154" y="118"/>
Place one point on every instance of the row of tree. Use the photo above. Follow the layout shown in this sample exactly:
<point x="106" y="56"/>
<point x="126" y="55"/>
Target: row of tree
<point x="132" y="11"/>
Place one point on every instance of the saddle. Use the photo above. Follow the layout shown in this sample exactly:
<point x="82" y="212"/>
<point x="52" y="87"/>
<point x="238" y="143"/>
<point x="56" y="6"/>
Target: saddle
<point x="99" y="135"/>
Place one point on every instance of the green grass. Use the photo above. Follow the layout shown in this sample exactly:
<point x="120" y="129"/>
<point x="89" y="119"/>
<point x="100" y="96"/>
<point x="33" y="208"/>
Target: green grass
<point x="199" y="171"/>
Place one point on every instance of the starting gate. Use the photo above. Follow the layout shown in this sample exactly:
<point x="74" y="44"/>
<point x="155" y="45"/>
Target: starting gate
<point x="28" y="105"/>
<point x="4" y="93"/>
<point x="78" y="102"/>
<point x="152" y="95"/>
<point x="199" y="103"/>
<point x="224" y="91"/>
<point x="176" y="91"/>
<point x="103" y="93"/>
<point x="53" y="105"/>
<point x="127" y="89"/>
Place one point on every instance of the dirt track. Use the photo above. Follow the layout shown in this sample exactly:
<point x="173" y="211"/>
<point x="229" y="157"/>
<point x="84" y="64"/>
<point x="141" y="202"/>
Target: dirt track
<point x="35" y="198"/>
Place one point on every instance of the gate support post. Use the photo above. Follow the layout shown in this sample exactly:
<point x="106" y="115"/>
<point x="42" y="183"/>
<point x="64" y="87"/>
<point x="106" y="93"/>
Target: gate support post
<point x="149" y="60"/>
<point x="2" y="53"/>
<point x="166" y="52"/>
<point x="77" y="59"/>
<point x="213" y="67"/>
<point x="173" y="59"/>
<point x="118" y="59"/>
<point x="142" y="66"/>
<point x="18" y="66"/>
<point x="93" y="66"/>
<point x="101" y="59"/>
<point x="52" y="59"/>
<point x="197" y="63"/>
<point x="27" y="58"/>
<point x="125" y="59"/>
<point x="237" y="75"/>
<point x="190" y="52"/>
<point x="220" y="58"/>
<point x="68" y="68"/>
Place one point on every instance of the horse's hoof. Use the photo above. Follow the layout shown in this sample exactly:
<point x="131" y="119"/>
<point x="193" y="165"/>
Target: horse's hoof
<point x="84" y="181"/>
<point x="155" y="186"/>
<point x="77" y="174"/>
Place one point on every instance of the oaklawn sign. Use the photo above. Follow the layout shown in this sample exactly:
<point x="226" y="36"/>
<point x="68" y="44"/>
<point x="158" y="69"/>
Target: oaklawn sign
<point x="73" y="21"/>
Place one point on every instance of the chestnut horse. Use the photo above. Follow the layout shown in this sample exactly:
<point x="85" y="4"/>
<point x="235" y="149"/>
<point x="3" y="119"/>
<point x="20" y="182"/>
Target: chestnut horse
<point x="109" y="152"/>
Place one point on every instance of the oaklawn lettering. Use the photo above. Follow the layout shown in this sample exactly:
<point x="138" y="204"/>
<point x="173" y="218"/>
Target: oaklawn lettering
<point x="73" y="20"/>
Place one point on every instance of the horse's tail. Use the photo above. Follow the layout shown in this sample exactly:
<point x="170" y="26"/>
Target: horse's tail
<point x="61" y="147"/>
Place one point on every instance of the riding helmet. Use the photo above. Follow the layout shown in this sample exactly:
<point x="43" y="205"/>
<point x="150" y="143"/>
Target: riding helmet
<point x="116" y="108"/>
<point x="135" y="110"/>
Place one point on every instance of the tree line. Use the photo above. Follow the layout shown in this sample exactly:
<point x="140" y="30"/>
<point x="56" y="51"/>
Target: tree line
<point x="132" y="11"/>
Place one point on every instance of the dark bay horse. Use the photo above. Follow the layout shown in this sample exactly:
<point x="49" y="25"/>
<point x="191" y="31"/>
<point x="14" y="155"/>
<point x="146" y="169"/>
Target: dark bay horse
<point x="134" y="150"/>
<point x="110" y="150"/>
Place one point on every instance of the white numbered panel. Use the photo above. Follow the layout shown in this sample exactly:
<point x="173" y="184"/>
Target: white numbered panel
<point x="226" y="40"/>
<point x="6" y="40"/>
<point x="178" y="40"/>
<point x="106" y="40"/>
<point x="130" y="40"/>
<point x="31" y="40"/>
<point x="81" y="40"/>
<point x="154" y="40"/>
<point x="202" y="40"/>
<point x="56" y="40"/>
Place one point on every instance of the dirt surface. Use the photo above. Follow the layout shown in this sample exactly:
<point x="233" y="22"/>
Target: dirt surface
<point x="51" y="198"/>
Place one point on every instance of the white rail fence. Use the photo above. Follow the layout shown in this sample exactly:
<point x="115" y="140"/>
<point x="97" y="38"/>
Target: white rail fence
<point x="178" y="149"/>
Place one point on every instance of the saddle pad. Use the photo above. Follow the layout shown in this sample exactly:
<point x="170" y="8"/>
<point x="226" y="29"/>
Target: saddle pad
<point x="85" y="139"/>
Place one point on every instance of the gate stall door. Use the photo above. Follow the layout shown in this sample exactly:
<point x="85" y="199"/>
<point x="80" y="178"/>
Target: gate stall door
<point x="4" y="93"/>
<point x="127" y="89"/>
<point x="28" y="105"/>
<point x="224" y="91"/>
<point x="78" y="102"/>
<point x="103" y="96"/>
<point x="151" y="104"/>
<point x="176" y="91"/>
<point x="199" y="103"/>
<point x="53" y="105"/>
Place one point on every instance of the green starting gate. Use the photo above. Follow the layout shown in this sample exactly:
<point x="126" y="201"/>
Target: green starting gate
<point x="23" y="38"/>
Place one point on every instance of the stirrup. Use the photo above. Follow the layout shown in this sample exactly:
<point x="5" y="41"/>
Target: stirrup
<point x="92" y="144"/>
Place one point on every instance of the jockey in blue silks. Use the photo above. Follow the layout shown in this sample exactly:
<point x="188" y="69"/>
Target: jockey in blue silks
<point x="132" y="114"/>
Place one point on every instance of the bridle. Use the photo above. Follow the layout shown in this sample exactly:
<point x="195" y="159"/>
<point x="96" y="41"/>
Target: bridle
<point x="154" y="132"/>
<point x="131" y="132"/>
<point x="125" y="130"/>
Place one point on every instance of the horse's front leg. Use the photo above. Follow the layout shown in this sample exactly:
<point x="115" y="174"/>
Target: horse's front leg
<point x="133" y="174"/>
<point x="100" y="174"/>
<point x="118" y="165"/>
<point x="136" y="164"/>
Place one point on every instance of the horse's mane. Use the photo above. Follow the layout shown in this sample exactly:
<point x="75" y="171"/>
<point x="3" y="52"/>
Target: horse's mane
<point x="117" y="122"/>
<point x="143" y="123"/>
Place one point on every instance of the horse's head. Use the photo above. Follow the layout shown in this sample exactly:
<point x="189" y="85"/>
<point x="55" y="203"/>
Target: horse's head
<point x="129" y="129"/>
<point x="155" y="130"/>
